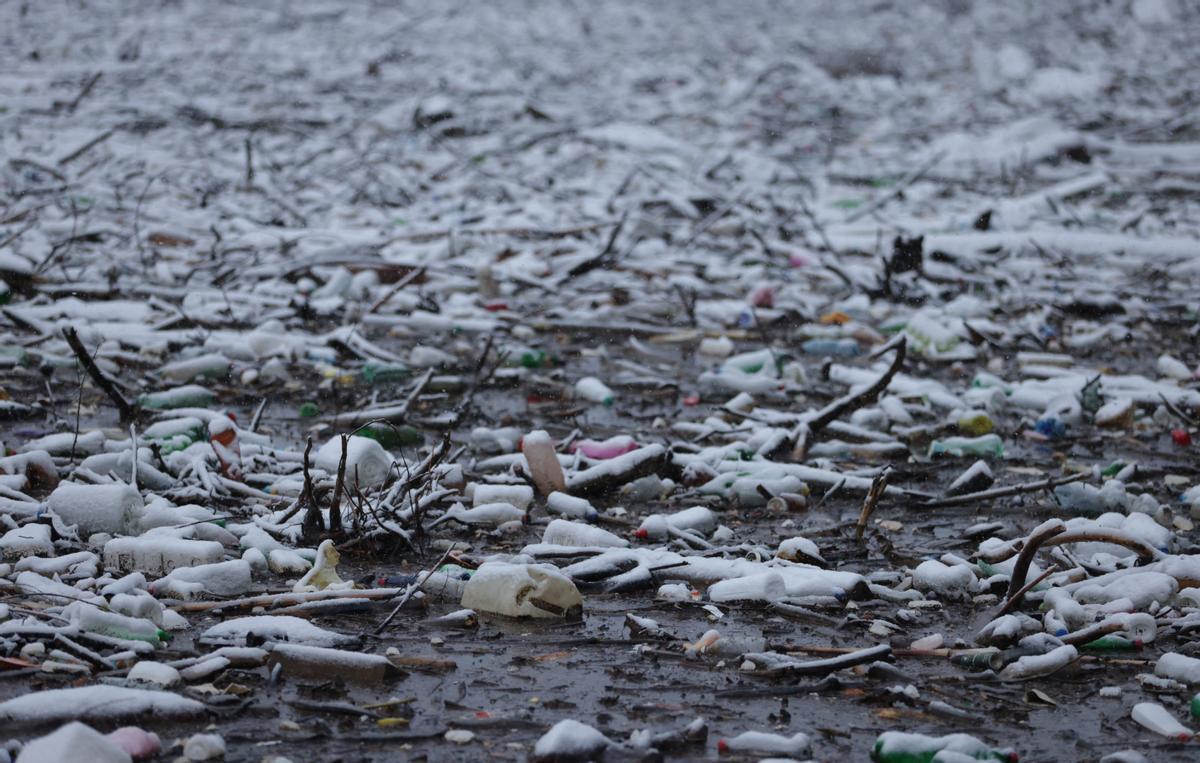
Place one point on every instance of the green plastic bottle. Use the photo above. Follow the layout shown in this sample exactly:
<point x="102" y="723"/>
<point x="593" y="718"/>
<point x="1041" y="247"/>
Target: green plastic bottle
<point x="397" y="436"/>
<point x="1112" y="643"/>
<point x="187" y="396"/>
<point x="308" y="410"/>
<point x="901" y="747"/>
<point x="1195" y="706"/>
<point x="987" y="445"/>
<point x="382" y="373"/>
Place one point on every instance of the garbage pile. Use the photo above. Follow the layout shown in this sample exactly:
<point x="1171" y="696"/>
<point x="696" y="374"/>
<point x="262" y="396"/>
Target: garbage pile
<point x="413" y="416"/>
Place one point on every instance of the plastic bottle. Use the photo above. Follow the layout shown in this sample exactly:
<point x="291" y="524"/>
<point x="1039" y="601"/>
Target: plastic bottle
<point x="211" y="366"/>
<point x="526" y="358"/>
<point x="517" y="495"/>
<point x="987" y="445"/>
<point x="544" y="467"/>
<point x="187" y="396"/>
<point x="901" y="747"/>
<point x="659" y="526"/>
<point x="795" y="746"/>
<point x="392" y="435"/>
<point x="605" y="449"/>
<point x="113" y="508"/>
<point x="1179" y="667"/>
<point x="231" y="578"/>
<point x="95" y="620"/>
<point x="376" y="372"/>
<point x="563" y="532"/>
<point x="156" y="554"/>
<point x="975" y="423"/>
<point x="308" y="410"/>
<point x="842" y="348"/>
<point x="570" y="506"/>
<point x="1194" y="706"/>
<point x="1038" y="665"/>
<point x="1111" y="643"/>
<point x="74" y="741"/>
<point x="593" y="390"/>
<point x="1158" y="719"/>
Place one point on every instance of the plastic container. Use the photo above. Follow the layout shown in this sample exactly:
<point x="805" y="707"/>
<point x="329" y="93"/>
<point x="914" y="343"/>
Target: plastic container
<point x="114" y="508"/>
<point x="158" y="554"/>
<point x="517" y="495"/>
<point x="367" y="463"/>
<point x="230" y="578"/>
<point x="521" y="590"/>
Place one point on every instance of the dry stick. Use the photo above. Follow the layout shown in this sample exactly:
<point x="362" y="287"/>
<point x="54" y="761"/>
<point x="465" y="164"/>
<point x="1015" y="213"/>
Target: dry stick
<point x="851" y="403"/>
<point x="335" y="509"/>
<point x="257" y="417"/>
<point x="878" y="486"/>
<point x="405" y="281"/>
<point x="86" y="147"/>
<point x="1179" y="414"/>
<point x="412" y="590"/>
<point x="1012" y="600"/>
<point x="896" y="191"/>
<point x="1021" y="568"/>
<point x="593" y="262"/>
<point x="1001" y="492"/>
<point x="87" y="88"/>
<point x="127" y="411"/>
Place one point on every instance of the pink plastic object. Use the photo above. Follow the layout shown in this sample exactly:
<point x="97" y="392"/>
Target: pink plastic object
<point x="140" y="744"/>
<point x="601" y="450"/>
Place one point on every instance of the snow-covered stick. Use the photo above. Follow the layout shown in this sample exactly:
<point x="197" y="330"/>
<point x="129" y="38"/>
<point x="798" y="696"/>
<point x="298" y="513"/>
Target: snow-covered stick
<point x="411" y="590"/>
<point x="1002" y="492"/>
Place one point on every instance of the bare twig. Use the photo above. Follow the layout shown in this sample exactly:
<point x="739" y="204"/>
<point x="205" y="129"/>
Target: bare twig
<point x="412" y="590"/>
<point x="878" y="486"/>
<point x="1016" y="597"/>
<point x="838" y="408"/>
<point x="335" y="508"/>
<point x="1001" y="492"/>
<point x="127" y="411"/>
<point x="1040" y="535"/>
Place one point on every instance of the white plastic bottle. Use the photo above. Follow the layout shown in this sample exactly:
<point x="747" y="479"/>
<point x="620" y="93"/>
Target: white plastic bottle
<point x="563" y="532"/>
<point x="570" y="506"/>
<point x="593" y="390"/>
<point x="544" y="467"/>
<point x="1158" y="719"/>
